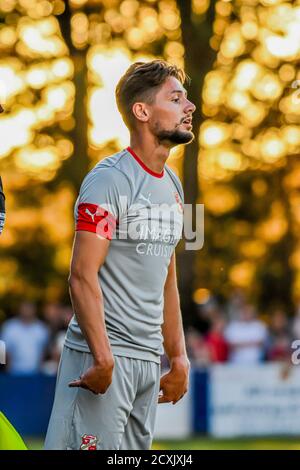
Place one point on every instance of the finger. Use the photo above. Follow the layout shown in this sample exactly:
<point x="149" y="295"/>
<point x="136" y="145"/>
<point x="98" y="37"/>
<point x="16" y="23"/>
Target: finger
<point x="163" y="399"/>
<point x="75" y="383"/>
<point x="83" y="385"/>
<point x="178" y="399"/>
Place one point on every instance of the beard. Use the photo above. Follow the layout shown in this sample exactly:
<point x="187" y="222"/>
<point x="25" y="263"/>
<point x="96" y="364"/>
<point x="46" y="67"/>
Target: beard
<point x="175" y="136"/>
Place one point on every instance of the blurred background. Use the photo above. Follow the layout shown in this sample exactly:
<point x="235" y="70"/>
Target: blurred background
<point x="240" y="295"/>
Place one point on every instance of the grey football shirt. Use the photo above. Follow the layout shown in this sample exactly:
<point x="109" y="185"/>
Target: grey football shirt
<point x="141" y="212"/>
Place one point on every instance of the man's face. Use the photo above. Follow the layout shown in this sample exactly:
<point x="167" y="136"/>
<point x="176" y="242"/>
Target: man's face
<point x="171" y="114"/>
<point x="27" y="311"/>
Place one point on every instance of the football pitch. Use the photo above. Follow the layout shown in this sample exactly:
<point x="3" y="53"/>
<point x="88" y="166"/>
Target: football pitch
<point x="206" y="443"/>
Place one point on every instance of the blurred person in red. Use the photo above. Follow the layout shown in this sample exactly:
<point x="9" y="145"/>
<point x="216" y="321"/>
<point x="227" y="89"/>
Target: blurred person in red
<point x="216" y="341"/>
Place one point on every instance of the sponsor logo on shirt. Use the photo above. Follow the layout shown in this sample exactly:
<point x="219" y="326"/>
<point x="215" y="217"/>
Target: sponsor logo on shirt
<point x="146" y="199"/>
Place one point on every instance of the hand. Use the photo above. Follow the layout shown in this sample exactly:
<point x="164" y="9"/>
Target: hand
<point x="174" y="384"/>
<point x="96" y="379"/>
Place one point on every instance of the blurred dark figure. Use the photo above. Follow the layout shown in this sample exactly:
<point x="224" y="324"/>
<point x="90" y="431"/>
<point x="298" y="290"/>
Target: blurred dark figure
<point x="52" y="315"/>
<point x="2" y="207"/>
<point x="197" y="350"/>
<point x="58" y="318"/>
<point x="246" y="337"/>
<point x="204" y="316"/>
<point x="216" y="341"/>
<point x="26" y="340"/>
<point x="296" y="324"/>
<point x="279" y="339"/>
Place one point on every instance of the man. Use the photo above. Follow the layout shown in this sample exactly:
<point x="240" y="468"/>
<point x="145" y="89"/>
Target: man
<point x="26" y="340"/>
<point x="123" y="282"/>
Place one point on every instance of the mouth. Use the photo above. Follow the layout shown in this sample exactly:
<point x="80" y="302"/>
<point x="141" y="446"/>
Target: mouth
<point x="187" y="122"/>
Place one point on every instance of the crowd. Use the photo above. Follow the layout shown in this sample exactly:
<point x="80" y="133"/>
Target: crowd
<point x="234" y="333"/>
<point x="34" y="343"/>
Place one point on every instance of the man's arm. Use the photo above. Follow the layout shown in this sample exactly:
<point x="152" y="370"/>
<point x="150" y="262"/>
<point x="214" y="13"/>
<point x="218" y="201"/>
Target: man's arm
<point x="89" y="253"/>
<point x="174" y="384"/>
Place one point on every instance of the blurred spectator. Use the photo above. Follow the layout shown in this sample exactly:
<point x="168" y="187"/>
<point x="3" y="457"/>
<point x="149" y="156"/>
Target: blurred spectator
<point x="197" y="349"/>
<point x="296" y="324"/>
<point x="236" y="303"/>
<point x="26" y="339"/>
<point x="246" y="337"/>
<point x="279" y="339"/>
<point x="205" y="313"/>
<point x="52" y="315"/>
<point x="59" y="339"/>
<point x="61" y="316"/>
<point x="216" y="341"/>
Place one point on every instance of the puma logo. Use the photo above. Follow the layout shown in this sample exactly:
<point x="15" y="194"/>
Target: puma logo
<point x="146" y="199"/>
<point x="87" y="211"/>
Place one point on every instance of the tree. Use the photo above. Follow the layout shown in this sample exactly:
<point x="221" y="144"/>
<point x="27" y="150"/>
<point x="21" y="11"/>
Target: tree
<point x="199" y="57"/>
<point x="249" y="144"/>
<point x="35" y="36"/>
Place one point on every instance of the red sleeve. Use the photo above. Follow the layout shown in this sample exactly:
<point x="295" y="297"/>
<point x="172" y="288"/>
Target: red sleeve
<point x="93" y="218"/>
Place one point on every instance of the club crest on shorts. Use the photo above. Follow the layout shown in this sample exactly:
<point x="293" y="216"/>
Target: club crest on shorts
<point x="88" y="442"/>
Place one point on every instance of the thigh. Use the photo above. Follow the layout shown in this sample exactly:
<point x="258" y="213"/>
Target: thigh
<point x="138" y="433"/>
<point x="105" y="416"/>
<point x="82" y="420"/>
<point x="71" y="366"/>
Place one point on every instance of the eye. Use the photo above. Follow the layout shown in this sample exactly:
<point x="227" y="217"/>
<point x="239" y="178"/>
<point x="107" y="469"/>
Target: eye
<point x="176" y="100"/>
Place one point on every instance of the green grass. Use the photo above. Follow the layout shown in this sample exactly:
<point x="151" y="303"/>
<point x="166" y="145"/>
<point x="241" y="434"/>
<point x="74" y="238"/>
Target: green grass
<point x="205" y="443"/>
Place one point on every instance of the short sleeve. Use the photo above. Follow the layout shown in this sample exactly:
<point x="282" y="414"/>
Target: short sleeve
<point x="103" y="199"/>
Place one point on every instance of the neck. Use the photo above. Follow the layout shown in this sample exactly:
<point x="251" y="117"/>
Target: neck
<point x="152" y="153"/>
<point x="27" y="321"/>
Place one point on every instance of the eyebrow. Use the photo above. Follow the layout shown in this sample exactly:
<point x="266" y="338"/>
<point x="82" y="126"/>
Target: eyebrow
<point x="179" y="91"/>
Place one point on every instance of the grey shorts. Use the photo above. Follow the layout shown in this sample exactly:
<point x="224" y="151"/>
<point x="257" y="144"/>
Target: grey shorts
<point x="122" y="418"/>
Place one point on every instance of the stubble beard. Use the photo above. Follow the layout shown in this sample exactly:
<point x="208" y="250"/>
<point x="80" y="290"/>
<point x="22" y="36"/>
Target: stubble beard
<point x="174" y="136"/>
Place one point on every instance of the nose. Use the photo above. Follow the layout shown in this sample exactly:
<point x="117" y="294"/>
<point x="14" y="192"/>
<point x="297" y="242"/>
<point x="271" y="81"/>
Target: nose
<point x="190" y="107"/>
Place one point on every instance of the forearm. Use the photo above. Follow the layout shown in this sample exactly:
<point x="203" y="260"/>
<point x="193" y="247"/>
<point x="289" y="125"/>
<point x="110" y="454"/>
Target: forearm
<point x="87" y="301"/>
<point x="172" y="328"/>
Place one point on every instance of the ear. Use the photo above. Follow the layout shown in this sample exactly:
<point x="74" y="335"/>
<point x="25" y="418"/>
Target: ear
<point x="141" y="112"/>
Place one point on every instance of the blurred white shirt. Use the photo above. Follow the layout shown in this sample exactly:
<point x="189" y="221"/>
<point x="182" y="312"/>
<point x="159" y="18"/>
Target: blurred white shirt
<point x="25" y="344"/>
<point x="246" y="341"/>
